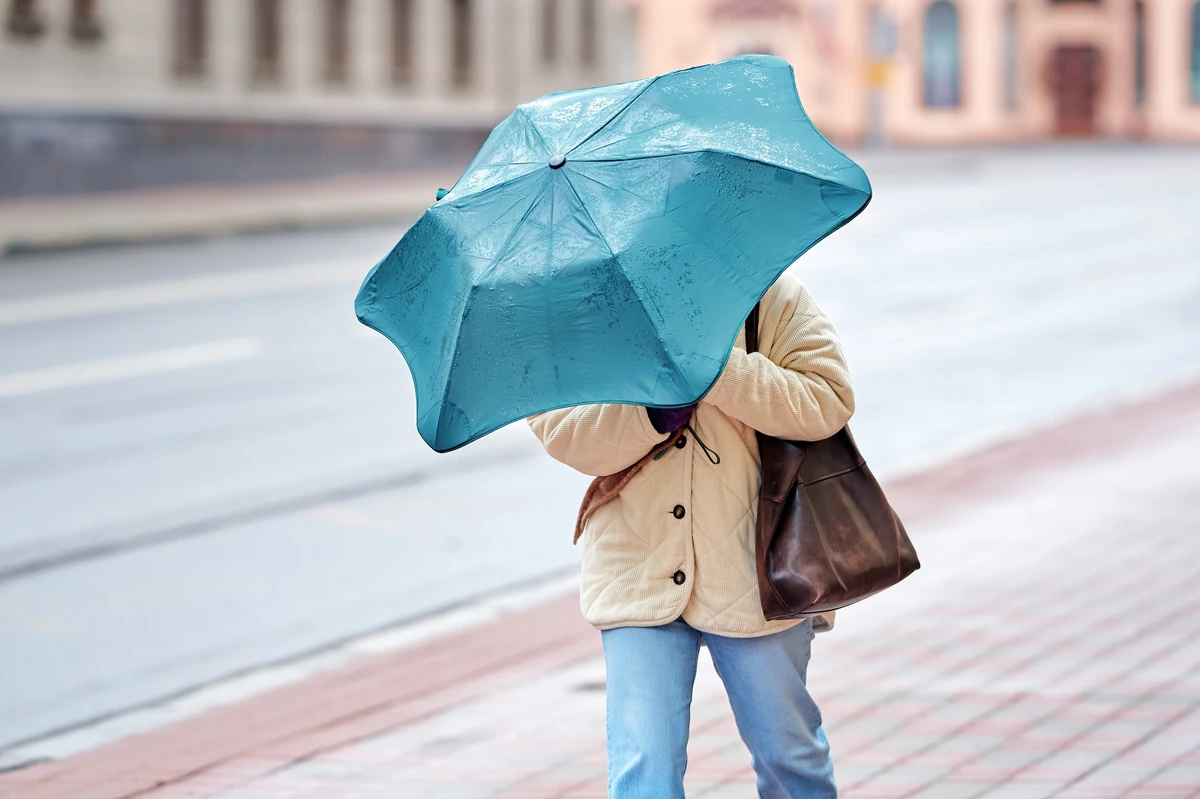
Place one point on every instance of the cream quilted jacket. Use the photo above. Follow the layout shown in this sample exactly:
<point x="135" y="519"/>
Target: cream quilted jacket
<point x="679" y="539"/>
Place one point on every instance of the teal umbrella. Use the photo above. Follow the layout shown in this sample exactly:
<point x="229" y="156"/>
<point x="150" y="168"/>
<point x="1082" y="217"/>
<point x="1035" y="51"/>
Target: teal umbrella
<point x="606" y="244"/>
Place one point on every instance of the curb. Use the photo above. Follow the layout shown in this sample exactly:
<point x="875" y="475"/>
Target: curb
<point x="18" y="245"/>
<point x="180" y="214"/>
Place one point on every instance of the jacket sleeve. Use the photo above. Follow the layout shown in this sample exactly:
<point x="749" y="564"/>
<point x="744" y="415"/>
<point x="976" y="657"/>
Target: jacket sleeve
<point x="596" y="439"/>
<point x="802" y="391"/>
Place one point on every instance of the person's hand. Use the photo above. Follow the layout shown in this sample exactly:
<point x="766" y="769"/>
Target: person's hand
<point x="668" y="420"/>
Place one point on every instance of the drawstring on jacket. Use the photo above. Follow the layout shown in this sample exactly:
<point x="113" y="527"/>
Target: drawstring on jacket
<point x="711" y="454"/>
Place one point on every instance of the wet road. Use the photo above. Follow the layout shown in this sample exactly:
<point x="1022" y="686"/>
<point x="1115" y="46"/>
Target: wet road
<point x="207" y="465"/>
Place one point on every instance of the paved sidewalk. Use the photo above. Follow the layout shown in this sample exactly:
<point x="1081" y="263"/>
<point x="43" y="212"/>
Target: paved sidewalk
<point x="1048" y="647"/>
<point x="191" y="211"/>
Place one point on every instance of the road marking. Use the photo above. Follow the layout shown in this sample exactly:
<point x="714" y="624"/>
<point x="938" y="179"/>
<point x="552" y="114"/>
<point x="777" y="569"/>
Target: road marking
<point x="106" y="370"/>
<point x="245" y="283"/>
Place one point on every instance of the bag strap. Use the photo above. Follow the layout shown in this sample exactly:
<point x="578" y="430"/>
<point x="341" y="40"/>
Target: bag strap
<point x="752" y="329"/>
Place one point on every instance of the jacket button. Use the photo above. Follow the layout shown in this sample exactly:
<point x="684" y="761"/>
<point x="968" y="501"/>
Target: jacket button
<point x="678" y="512"/>
<point x="679" y="577"/>
<point x="681" y="442"/>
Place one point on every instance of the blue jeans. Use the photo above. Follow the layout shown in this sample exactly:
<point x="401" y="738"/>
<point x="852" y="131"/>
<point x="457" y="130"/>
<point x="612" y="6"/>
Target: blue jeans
<point x="651" y="671"/>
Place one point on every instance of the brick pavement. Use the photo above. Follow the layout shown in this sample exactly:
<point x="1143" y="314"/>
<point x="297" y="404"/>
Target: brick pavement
<point x="1048" y="647"/>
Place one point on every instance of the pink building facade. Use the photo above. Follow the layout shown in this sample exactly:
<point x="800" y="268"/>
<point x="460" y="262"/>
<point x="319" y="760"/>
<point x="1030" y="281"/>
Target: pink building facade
<point x="956" y="71"/>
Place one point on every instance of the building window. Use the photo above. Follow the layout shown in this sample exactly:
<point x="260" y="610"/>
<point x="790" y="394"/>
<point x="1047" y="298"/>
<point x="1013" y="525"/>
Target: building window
<point x="267" y="42"/>
<point x="549" y="31"/>
<point x="337" y="40"/>
<point x="942" y="65"/>
<point x="402" y="41"/>
<point x="1012" y="57"/>
<point x="85" y="21"/>
<point x="1139" y="54"/>
<point x="588" y="33"/>
<point x="1194" y="83"/>
<point x="191" y="37"/>
<point x="25" y="19"/>
<point x="460" y="43"/>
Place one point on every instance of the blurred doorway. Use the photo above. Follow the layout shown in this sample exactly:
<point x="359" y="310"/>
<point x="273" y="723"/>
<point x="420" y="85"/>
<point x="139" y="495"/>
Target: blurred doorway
<point x="1075" y="74"/>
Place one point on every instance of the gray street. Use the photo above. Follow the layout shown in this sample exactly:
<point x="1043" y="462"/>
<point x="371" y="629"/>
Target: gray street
<point x="207" y="465"/>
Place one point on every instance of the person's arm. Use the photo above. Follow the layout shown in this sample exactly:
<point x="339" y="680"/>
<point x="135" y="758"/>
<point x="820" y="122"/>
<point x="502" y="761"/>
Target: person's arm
<point x="800" y="388"/>
<point x="596" y="439"/>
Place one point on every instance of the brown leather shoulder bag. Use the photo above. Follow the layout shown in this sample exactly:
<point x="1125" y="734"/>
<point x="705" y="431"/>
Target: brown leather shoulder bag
<point x="826" y="535"/>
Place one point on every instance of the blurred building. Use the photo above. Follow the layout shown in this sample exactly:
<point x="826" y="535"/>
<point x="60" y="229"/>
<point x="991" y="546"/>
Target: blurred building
<point x="100" y="95"/>
<point x="923" y="72"/>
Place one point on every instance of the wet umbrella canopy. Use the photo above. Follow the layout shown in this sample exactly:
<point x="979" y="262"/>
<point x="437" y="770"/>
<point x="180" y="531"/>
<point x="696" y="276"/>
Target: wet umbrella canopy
<point x="606" y="244"/>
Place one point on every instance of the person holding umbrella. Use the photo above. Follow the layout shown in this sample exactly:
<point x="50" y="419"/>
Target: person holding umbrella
<point x="591" y="272"/>
<point x="668" y="555"/>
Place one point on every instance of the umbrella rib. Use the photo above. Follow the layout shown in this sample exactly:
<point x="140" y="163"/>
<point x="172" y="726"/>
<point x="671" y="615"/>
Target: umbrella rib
<point x="715" y="151"/>
<point x="529" y="121"/>
<point x="662" y="345"/>
<point x="474" y="236"/>
<point x="513" y="233"/>
<point x="502" y="184"/>
<point x="666" y="124"/>
<point x="471" y="165"/>
<point x="621" y="189"/>
<point x="667" y="218"/>
<point x="513" y="179"/>
<point x="584" y="208"/>
<point x="633" y="99"/>
<point x="616" y="114"/>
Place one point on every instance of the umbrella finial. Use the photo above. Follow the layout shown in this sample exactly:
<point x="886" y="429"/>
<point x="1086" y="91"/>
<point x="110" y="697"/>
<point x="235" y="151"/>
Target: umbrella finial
<point x="557" y="161"/>
<point x="442" y="193"/>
